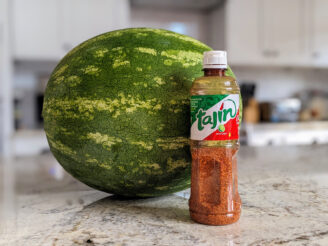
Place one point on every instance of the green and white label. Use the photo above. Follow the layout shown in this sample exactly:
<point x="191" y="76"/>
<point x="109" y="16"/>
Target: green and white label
<point x="214" y="117"/>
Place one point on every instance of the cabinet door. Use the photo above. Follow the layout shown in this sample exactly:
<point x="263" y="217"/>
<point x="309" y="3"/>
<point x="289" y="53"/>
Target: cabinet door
<point x="281" y="31"/>
<point x="83" y="19"/>
<point x="318" y="35"/>
<point x="35" y="29"/>
<point x="242" y="31"/>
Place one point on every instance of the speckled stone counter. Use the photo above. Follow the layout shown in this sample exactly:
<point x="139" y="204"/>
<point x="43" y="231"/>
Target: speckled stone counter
<point x="284" y="192"/>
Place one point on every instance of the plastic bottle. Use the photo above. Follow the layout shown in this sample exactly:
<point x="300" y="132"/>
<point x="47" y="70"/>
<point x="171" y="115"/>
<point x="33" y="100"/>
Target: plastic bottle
<point x="214" y="138"/>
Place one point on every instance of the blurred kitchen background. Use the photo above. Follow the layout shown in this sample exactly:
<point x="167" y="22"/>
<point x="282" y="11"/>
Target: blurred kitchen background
<point x="278" y="50"/>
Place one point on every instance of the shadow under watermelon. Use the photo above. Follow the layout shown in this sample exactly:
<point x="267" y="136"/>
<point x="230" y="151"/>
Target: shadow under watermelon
<point x="145" y="210"/>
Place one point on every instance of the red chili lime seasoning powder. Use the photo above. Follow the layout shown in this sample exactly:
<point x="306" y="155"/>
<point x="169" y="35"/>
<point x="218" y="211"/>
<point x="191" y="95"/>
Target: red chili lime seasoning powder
<point x="214" y="137"/>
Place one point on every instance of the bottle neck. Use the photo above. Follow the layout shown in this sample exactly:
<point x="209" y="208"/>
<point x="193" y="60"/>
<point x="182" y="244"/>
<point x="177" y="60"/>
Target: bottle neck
<point x="214" y="72"/>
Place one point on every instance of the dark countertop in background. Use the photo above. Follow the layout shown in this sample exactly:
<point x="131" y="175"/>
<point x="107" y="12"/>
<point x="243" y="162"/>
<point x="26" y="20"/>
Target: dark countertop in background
<point x="284" y="191"/>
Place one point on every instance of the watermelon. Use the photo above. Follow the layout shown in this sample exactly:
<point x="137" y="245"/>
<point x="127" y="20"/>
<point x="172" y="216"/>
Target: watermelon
<point x="116" y="111"/>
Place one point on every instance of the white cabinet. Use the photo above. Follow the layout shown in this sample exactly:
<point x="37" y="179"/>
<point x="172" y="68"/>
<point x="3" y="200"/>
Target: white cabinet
<point x="47" y="29"/>
<point x="242" y="31"/>
<point x="281" y="34"/>
<point x="83" y="19"/>
<point x="318" y="32"/>
<point x="36" y="30"/>
<point x="267" y="32"/>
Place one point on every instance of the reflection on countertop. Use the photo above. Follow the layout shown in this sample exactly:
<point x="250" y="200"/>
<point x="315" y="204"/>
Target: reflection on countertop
<point x="284" y="192"/>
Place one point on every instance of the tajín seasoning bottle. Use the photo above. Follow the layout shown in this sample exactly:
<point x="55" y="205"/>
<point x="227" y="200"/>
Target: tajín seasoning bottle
<point x="214" y="137"/>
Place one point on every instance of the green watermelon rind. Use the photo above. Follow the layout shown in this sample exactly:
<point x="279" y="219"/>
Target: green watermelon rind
<point x="116" y="111"/>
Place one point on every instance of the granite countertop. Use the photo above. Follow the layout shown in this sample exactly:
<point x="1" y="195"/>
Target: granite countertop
<point x="284" y="191"/>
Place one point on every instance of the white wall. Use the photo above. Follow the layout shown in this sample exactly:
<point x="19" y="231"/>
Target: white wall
<point x="6" y="115"/>
<point x="275" y="83"/>
<point x="191" y="23"/>
<point x="216" y="29"/>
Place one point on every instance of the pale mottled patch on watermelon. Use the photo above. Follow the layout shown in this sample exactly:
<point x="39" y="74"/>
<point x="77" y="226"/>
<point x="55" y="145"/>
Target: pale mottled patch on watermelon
<point x="92" y="160"/>
<point x="141" y="35"/>
<point x="60" y="70"/>
<point x="159" y="80"/>
<point x="79" y="108"/>
<point x="160" y="127"/>
<point x="146" y="50"/>
<point x="143" y="144"/>
<point x="73" y="80"/>
<point x="174" y="164"/>
<point x="186" y="58"/>
<point x="168" y="62"/>
<point x="59" y="79"/>
<point x="154" y="166"/>
<point x="119" y="49"/>
<point x="157" y="107"/>
<point x="59" y="146"/>
<point x="65" y="131"/>
<point x="91" y="70"/>
<point x="171" y="143"/>
<point x="86" y="107"/>
<point x="134" y="170"/>
<point x="122" y="169"/>
<point x="106" y="166"/>
<point x="103" y="139"/>
<point x="119" y="62"/>
<point x="101" y="52"/>
<point x="151" y="171"/>
<point x="77" y="59"/>
<point x="138" y="84"/>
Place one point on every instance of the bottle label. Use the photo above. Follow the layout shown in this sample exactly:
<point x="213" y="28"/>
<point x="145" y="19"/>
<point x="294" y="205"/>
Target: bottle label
<point x="214" y="117"/>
